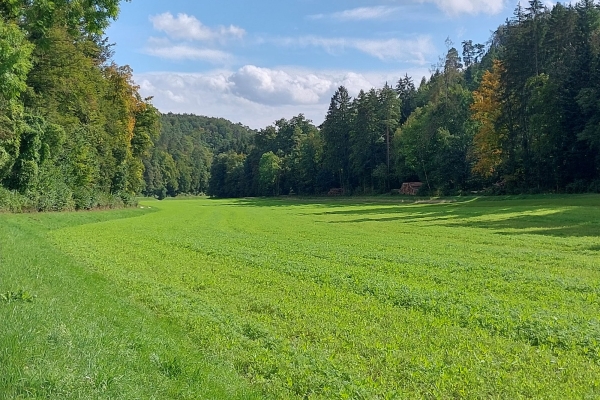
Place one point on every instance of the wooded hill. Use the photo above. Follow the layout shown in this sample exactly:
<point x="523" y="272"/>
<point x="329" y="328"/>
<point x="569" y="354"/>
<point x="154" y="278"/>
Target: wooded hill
<point x="518" y="114"/>
<point x="181" y="159"/>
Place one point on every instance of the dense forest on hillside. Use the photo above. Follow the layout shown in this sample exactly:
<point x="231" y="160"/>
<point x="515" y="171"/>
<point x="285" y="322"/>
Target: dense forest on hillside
<point x="181" y="159"/>
<point x="518" y="114"/>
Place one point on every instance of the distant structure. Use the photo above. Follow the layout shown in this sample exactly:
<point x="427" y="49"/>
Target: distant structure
<point x="336" y="192"/>
<point x="411" y="188"/>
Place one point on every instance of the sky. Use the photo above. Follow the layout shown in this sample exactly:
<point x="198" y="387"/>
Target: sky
<point x="255" y="62"/>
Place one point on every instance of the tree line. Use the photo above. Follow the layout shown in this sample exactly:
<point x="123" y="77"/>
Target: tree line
<point x="519" y="114"/>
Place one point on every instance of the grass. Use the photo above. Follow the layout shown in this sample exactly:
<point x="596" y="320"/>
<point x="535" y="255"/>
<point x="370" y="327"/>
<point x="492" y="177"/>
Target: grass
<point x="327" y="298"/>
<point x="68" y="333"/>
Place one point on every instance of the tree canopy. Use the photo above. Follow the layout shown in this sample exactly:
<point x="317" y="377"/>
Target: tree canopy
<point x="73" y="127"/>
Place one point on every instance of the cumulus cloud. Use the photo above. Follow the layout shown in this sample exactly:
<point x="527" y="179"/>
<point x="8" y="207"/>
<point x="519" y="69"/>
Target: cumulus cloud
<point x="473" y="7"/>
<point x="272" y="87"/>
<point x="188" y="27"/>
<point x="183" y="34"/>
<point x="258" y="96"/>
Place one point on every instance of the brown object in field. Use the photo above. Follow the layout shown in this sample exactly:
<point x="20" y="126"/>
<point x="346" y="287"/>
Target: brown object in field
<point x="411" y="188"/>
<point x="336" y="192"/>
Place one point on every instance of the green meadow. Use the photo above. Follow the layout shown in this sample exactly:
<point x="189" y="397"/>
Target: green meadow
<point x="304" y="299"/>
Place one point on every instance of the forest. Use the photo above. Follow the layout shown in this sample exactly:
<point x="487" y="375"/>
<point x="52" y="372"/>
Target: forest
<point x="73" y="128"/>
<point x="518" y="114"/>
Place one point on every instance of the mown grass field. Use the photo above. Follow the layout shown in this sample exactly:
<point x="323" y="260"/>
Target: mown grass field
<point x="331" y="298"/>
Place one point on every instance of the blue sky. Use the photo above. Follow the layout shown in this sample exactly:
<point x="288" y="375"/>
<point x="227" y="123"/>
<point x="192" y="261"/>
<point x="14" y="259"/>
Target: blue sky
<point x="258" y="61"/>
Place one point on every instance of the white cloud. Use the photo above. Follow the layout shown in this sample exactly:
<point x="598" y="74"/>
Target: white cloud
<point x="415" y="50"/>
<point x="184" y="30"/>
<point x="188" y="27"/>
<point x="359" y="14"/>
<point x="163" y="48"/>
<point x="473" y="7"/>
<point x="273" y="87"/>
<point x="174" y="97"/>
<point x="258" y="96"/>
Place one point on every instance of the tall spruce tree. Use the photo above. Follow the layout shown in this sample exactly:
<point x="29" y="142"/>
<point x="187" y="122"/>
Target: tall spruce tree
<point x="336" y="136"/>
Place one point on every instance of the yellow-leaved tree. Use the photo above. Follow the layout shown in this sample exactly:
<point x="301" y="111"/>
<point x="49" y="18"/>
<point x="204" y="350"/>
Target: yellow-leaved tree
<point x="486" y="108"/>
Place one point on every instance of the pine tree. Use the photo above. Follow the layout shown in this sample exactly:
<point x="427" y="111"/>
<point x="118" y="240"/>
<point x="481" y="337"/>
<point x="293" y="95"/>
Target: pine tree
<point x="405" y="88"/>
<point x="389" y="116"/>
<point x="336" y="135"/>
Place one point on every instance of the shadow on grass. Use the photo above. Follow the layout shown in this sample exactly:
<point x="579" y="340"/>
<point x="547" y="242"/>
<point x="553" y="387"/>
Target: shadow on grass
<point x="404" y="219"/>
<point x="548" y="221"/>
<point x="284" y="201"/>
<point x="403" y="201"/>
<point x="549" y="215"/>
<point x="414" y="208"/>
<point x="574" y="222"/>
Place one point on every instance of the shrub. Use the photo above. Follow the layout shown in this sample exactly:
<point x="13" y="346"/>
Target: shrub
<point x="13" y="201"/>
